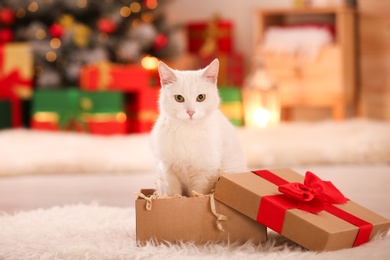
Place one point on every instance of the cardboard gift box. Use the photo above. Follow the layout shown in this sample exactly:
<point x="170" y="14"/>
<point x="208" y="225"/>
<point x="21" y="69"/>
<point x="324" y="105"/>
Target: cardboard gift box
<point x="310" y="212"/>
<point x="231" y="104"/>
<point x="16" y="74"/>
<point x="117" y="77"/>
<point x="72" y="109"/>
<point x="192" y="219"/>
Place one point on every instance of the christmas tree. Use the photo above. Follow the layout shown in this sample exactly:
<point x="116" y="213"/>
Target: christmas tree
<point x="66" y="34"/>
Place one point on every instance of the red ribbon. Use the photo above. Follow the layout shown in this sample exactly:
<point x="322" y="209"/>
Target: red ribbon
<point x="7" y="83"/>
<point x="314" y="195"/>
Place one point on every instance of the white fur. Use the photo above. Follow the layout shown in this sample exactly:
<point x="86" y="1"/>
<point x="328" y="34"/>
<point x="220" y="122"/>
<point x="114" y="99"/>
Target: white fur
<point x="191" y="149"/>
<point x="352" y="141"/>
<point x="99" y="232"/>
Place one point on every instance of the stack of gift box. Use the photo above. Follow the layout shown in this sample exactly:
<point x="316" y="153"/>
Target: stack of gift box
<point x="305" y="209"/>
<point x="109" y="99"/>
<point x="129" y="92"/>
<point x="212" y="39"/>
<point x="139" y="86"/>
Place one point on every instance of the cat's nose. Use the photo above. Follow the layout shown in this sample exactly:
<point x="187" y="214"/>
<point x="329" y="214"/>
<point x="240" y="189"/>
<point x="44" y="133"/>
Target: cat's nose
<point x="191" y="113"/>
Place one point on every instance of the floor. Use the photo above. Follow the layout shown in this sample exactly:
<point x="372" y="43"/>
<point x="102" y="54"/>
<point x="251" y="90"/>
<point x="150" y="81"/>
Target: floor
<point x="367" y="185"/>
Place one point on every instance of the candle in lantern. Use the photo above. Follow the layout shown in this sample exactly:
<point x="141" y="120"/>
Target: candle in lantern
<point x="261" y="100"/>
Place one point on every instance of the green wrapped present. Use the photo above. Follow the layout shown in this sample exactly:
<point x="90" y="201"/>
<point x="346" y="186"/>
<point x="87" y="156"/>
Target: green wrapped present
<point x="72" y="109"/>
<point x="56" y="109"/>
<point x="5" y="114"/>
<point x="231" y="104"/>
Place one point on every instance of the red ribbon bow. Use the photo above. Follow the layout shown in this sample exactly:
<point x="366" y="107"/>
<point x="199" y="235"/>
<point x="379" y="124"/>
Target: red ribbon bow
<point x="7" y="84"/>
<point x="313" y="194"/>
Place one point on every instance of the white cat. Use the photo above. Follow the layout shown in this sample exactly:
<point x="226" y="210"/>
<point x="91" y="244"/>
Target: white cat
<point x="191" y="139"/>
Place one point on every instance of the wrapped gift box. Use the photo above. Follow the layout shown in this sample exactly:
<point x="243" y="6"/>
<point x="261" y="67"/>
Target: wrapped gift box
<point x="104" y="112"/>
<point x="54" y="109"/>
<point x="231" y="104"/>
<point x="108" y="76"/>
<point x="296" y="208"/>
<point x="176" y="220"/>
<point x="211" y="36"/>
<point x="5" y="114"/>
<point x="142" y="109"/>
<point x="71" y="109"/>
<point x="16" y="74"/>
<point x="141" y="88"/>
<point x="231" y="67"/>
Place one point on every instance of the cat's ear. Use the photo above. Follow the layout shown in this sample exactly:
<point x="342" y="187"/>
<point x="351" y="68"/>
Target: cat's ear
<point x="167" y="76"/>
<point x="211" y="72"/>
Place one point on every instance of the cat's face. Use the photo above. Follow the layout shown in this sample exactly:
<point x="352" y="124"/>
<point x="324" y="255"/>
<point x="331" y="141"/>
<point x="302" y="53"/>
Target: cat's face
<point x="189" y="95"/>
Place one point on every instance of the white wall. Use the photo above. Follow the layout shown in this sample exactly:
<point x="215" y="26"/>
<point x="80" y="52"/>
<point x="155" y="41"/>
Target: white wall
<point x="241" y="12"/>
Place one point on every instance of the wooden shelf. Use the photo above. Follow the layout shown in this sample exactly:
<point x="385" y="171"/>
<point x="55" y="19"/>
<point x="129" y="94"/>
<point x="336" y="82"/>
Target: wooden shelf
<point x="374" y="53"/>
<point x="328" y="82"/>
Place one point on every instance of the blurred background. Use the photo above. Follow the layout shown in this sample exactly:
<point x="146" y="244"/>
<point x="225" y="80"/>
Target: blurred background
<point x="306" y="82"/>
<point x="90" y="65"/>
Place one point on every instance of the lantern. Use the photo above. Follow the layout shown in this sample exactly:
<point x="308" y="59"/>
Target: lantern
<point x="260" y="100"/>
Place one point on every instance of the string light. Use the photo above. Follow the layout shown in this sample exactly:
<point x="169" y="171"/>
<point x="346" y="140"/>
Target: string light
<point x="125" y="11"/>
<point x="51" y="56"/>
<point x="121" y="117"/>
<point x="40" y="34"/>
<point x="81" y="3"/>
<point x="135" y="7"/>
<point x="135" y="23"/>
<point x="55" y="43"/>
<point x="149" y="62"/>
<point x="151" y="4"/>
<point x="147" y="17"/>
<point x="20" y="13"/>
<point x="33" y="7"/>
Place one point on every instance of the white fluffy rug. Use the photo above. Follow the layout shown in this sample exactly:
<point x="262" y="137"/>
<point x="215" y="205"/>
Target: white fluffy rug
<point x="97" y="232"/>
<point x="351" y="141"/>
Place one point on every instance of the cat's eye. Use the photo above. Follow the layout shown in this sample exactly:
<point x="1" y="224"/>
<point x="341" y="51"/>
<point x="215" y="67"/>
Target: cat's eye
<point x="201" y="97"/>
<point x="179" y="98"/>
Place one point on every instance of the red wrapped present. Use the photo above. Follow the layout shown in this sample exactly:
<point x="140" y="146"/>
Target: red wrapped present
<point x="309" y="211"/>
<point x="106" y="124"/>
<point x="15" y="77"/>
<point x="142" y="108"/>
<point x="231" y="68"/>
<point x="139" y="84"/>
<point x="209" y="37"/>
<point x="110" y="124"/>
<point x="107" y="76"/>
